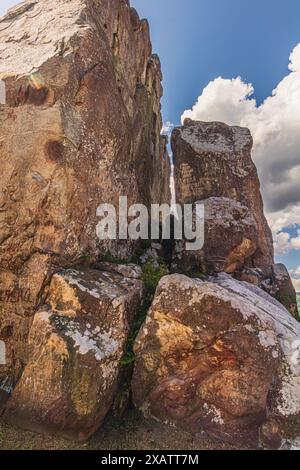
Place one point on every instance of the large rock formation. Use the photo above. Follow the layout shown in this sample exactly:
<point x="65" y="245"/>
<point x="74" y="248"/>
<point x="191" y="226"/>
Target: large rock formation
<point x="81" y="125"/>
<point x="220" y="356"/>
<point x="76" y="342"/>
<point x="213" y="160"/>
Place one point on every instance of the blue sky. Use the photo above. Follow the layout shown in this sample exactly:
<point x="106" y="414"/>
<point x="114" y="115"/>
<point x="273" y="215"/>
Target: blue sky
<point x="200" y="40"/>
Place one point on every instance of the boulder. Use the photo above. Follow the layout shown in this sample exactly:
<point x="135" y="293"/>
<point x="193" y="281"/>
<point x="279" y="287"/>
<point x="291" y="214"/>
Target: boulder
<point x="212" y="159"/>
<point x="219" y="356"/>
<point x="76" y="342"/>
<point x="81" y="124"/>
<point x="276" y="281"/>
<point x="230" y="239"/>
<point x="283" y="289"/>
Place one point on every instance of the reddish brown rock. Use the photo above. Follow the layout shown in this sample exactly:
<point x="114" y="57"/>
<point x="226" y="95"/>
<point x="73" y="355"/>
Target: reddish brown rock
<point x="80" y="127"/>
<point x="219" y="356"/>
<point x="230" y="239"/>
<point x="214" y="160"/>
<point x="76" y="342"/>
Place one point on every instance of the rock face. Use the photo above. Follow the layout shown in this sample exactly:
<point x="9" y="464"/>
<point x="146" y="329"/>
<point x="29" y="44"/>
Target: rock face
<point x="219" y="356"/>
<point x="80" y="126"/>
<point x="230" y="236"/>
<point x="213" y="162"/>
<point x="76" y="342"/>
<point x="283" y="288"/>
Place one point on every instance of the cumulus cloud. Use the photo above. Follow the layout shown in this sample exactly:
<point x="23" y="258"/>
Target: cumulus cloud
<point x="296" y="283"/>
<point x="284" y="242"/>
<point x="275" y="126"/>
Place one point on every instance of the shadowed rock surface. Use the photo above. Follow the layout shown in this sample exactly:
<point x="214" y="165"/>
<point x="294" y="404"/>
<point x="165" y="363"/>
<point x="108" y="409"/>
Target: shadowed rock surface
<point x="221" y="356"/>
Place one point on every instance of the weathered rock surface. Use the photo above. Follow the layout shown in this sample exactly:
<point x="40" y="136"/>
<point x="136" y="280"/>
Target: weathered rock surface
<point x="76" y="342"/>
<point x="81" y="126"/>
<point x="214" y="160"/>
<point x="276" y="281"/>
<point x="220" y="356"/>
<point x="230" y="239"/>
<point x="283" y="288"/>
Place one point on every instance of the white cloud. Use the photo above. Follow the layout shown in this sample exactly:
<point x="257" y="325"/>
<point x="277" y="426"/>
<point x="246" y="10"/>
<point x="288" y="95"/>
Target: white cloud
<point x="275" y="126"/>
<point x="296" y="283"/>
<point x="167" y="128"/>
<point x="223" y="100"/>
<point x="297" y="271"/>
<point x="295" y="275"/>
<point x="284" y="242"/>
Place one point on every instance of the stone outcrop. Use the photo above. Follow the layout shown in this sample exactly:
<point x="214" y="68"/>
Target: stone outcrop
<point x="76" y="342"/>
<point x="80" y="127"/>
<point x="276" y="281"/>
<point x="283" y="289"/>
<point x="230" y="238"/>
<point x="219" y="356"/>
<point x="213" y="160"/>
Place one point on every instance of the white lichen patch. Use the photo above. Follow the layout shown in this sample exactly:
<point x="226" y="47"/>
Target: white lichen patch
<point x="267" y="339"/>
<point x="73" y="280"/>
<point x="213" y="413"/>
<point x="102" y="344"/>
<point x="32" y="37"/>
<point x="204" y="138"/>
<point x="103" y="287"/>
